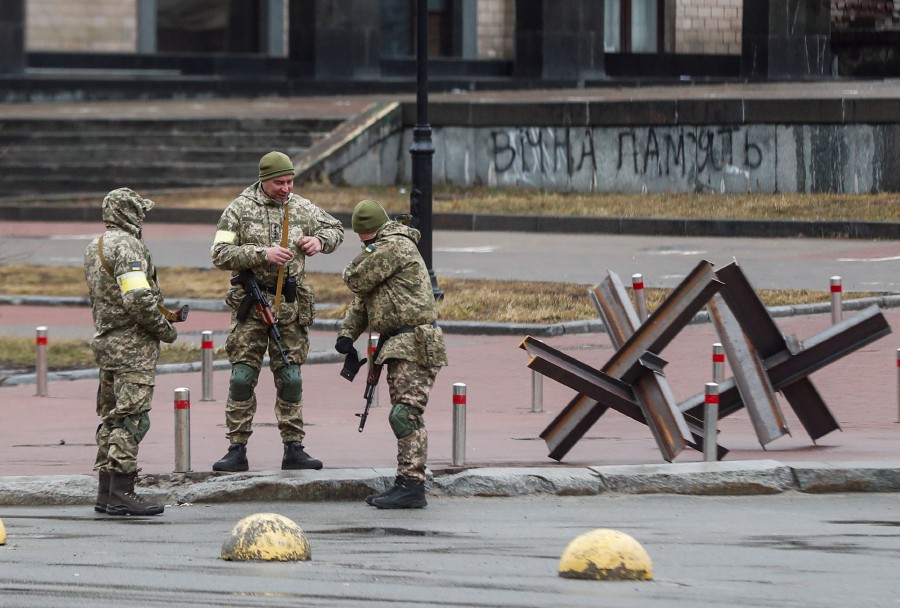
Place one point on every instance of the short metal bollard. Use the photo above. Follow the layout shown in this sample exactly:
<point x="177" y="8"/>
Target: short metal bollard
<point x="718" y="363"/>
<point x="711" y="422"/>
<point x="182" y="430"/>
<point x="640" y="298"/>
<point x="836" y="306"/>
<point x="459" y="424"/>
<point x="40" y="363"/>
<point x="373" y="344"/>
<point x="537" y="392"/>
<point x="206" y="365"/>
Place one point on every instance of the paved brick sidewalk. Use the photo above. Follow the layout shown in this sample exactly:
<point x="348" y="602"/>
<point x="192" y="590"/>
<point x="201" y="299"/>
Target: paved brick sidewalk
<point x="55" y="434"/>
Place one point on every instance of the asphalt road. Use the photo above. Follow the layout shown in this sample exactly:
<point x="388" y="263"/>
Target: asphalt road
<point x="781" y="551"/>
<point x="663" y="260"/>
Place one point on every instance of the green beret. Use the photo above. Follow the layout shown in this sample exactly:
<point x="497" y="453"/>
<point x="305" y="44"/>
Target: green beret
<point x="368" y="216"/>
<point x="275" y="164"/>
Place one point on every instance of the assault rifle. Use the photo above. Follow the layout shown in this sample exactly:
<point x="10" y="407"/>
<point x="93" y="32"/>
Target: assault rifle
<point x="372" y="380"/>
<point x="254" y="297"/>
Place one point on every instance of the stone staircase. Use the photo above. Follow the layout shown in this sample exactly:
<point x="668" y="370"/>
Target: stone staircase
<point x="54" y="157"/>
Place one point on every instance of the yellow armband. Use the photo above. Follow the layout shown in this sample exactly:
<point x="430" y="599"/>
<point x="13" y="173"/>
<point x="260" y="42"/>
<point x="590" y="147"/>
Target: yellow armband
<point x="224" y="236"/>
<point x="130" y="281"/>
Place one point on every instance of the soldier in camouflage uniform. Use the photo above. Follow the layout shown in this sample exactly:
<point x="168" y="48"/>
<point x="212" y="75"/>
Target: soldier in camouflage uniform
<point x="249" y="236"/>
<point x="125" y="302"/>
<point x="394" y="298"/>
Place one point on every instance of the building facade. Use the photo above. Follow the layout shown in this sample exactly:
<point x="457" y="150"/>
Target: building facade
<point x="121" y="26"/>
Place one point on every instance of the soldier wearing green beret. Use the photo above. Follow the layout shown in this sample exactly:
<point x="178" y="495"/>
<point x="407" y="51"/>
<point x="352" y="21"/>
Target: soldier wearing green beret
<point x="268" y="229"/>
<point x="126" y="304"/>
<point x="393" y="297"/>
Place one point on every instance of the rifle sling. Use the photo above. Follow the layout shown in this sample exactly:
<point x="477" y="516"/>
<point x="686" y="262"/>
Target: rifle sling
<point x="284" y="238"/>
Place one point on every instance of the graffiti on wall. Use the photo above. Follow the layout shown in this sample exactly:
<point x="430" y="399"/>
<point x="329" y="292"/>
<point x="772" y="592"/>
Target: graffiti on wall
<point x="536" y="154"/>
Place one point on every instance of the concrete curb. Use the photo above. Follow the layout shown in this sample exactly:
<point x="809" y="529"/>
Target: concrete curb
<point x="16" y="211"/>
<point x="450" y="327"/>
<point x="744" y="478"/>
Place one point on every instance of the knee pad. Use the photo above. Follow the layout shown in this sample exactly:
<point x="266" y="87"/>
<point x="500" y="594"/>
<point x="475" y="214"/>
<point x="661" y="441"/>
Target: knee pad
<point x="405" y="420"/>
<point x="243" y="381"/>
<point x="291" y="386"/>
<point x="137" y="425"/>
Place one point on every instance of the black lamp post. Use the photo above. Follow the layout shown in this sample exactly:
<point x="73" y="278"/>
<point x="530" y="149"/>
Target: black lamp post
<point x="422" y="150"/>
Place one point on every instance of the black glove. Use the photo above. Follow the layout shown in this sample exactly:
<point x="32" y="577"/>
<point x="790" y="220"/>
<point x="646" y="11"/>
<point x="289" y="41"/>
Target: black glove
<point x="344" y="345"/>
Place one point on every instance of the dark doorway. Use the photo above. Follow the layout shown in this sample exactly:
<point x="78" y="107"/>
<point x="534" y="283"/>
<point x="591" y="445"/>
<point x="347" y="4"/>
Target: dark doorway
<point x="208" y="26"/>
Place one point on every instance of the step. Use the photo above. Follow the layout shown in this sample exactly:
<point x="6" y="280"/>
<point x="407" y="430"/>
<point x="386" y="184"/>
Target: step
<point x="41" y="155"/>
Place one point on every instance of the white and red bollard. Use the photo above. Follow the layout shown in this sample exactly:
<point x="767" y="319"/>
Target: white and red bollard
<point x="206" y="365"/>
<point x="182" y="430"/>
<point x="40" y="363"/>
<point x="459" y="424"/>
<point x="836" y="306"/>
<point x="718" y="363"/>
<point x="710" y="422"/>
<point x="640" y="298"/>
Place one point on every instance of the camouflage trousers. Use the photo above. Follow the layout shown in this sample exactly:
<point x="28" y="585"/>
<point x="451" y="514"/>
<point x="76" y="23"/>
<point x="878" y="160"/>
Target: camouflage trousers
<point x="410" y="383"/>
<point x="124" y="400"/>
<point x="248" y="343"/>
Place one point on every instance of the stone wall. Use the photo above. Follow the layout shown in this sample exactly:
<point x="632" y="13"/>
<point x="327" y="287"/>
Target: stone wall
<point x="102" y="26"/>
<point x="496" y="29"/>
<point x="709" y="26"/>
<point x="626" y="153"/>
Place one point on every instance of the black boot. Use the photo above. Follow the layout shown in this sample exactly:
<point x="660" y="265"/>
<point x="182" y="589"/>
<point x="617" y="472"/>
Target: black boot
<point x="234" y="461"/>
<point x="406" y="494"/>
<point x="102" y="493"/>
<point x="295" y="457"/>
<point x="124" y="501"/>
<point x="390" y="490"/>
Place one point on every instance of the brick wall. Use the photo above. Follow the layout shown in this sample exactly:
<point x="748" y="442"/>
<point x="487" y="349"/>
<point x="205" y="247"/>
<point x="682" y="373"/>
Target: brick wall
<point x="709" y="26"/>
<point x="81" y="25"/>
<point x="496" y="29"/>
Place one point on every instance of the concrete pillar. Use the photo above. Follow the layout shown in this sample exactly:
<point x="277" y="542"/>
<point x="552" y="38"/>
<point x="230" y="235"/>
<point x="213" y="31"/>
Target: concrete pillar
<point x="12" y="36"/>
<point x="334" y="39"/>
<point x="786" y="39"/>
<point x="559" y="40"/>
<point x="146" y="26"/>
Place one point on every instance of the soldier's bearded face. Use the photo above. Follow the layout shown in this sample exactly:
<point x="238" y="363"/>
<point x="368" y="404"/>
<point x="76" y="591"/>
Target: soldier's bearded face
<point x="279" y="188"/>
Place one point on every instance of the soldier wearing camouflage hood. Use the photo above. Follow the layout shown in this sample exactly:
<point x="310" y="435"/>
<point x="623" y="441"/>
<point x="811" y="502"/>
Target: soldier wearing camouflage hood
<point x="249" y="237"/>
<point x="394" y="298"/>
<point x="125" y="303"/>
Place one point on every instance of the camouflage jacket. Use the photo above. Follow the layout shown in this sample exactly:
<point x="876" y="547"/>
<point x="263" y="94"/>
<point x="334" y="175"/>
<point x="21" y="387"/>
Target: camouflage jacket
<point x="393" y="293"/>
<point x="128" y="324"/>
<point x="253" y="221"/>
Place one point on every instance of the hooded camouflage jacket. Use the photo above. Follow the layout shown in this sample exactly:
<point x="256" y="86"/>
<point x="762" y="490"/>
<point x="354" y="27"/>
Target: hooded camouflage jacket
<point x="128" y="324"/>
<point x="253" y="221"/>
<point x="393" y="292"/>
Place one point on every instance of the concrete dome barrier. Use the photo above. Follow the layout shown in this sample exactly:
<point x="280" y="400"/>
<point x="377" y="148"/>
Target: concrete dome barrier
<point x="266" y="537"/>
<point x="605" y="555"/>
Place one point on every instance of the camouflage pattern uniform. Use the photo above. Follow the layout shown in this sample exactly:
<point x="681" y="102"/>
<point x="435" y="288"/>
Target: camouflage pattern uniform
<point x="394" y="297"/>
<point x="251" y="223"/>
<point x="129" y="327"/>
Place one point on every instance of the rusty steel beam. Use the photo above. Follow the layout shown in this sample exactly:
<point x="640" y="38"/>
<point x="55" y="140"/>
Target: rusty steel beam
<point x="615" y="309"/>
<point x="769" y="342"/>
<point x="789" y="372"/>
<point x="598" y="393"/>
<point x="661" y="413"/>
<point x="754" y="386"/>
<point x="673" y="314"/>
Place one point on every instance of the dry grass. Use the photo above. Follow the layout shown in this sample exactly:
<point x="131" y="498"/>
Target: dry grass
<point x="464" y="300"/>
<point x="822" y="207"/>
